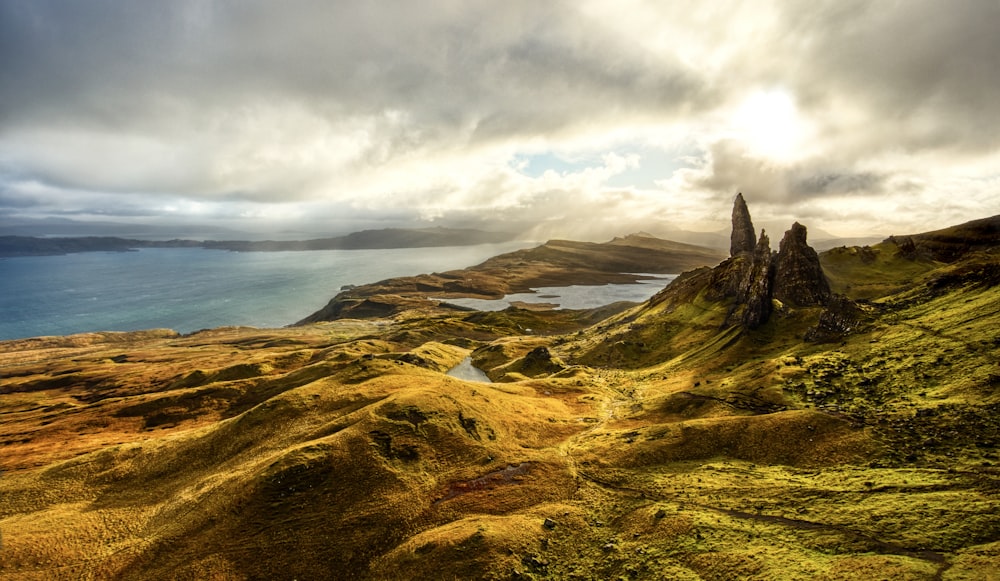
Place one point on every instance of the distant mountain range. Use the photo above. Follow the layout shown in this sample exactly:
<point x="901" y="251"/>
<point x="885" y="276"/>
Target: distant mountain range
<point x="366" y="239"/>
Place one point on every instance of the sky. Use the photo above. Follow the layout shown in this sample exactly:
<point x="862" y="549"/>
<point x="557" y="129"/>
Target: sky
<point x="583" y="118"/>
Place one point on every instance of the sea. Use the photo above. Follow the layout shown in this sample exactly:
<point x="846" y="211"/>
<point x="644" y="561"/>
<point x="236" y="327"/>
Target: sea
<point x="188" y="289"/>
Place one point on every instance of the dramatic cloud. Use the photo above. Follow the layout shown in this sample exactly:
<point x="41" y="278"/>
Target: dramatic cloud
<point x="583" y="118"/>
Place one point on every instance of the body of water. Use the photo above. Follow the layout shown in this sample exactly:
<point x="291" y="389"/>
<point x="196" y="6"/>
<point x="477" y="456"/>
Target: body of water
<point x="576" y="296"/>
<point x="465" y="370"/>
<point x="187" y="289"/>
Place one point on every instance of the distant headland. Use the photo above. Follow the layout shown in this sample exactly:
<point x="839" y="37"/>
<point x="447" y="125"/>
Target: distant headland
<point x="386" y="238"/>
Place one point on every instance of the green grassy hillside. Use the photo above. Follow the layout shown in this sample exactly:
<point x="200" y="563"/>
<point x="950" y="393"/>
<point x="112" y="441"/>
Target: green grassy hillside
<point x="658" y="443"/>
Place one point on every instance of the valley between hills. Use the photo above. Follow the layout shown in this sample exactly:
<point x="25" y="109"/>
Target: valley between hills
<point x="769" y="415"/>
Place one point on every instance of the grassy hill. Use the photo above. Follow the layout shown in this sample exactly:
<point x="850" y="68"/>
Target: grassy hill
<point x="555" y="263"/>
<point x="660" y="442"/>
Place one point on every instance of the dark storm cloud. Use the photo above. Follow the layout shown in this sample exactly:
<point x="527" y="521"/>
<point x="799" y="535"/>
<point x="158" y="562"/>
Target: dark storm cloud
<point x="510" y="65"/>
<point x="274" y="102"/>
<point x="730" y="167"/>
<point x="925" y="73"/>
<point x="815" y="182"/>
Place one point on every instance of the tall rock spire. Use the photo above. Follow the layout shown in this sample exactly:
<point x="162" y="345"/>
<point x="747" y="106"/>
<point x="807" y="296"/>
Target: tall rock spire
<point x="754" y="276"/>
<point x="743" y="238"/>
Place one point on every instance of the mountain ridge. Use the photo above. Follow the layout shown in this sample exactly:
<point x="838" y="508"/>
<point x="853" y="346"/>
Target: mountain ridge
<point x="387" y="238"/>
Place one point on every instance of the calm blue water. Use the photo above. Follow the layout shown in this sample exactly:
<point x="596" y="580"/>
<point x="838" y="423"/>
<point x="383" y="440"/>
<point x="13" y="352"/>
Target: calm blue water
<point x="576" y="296"/>
<point x="190" y="289"/>
<point x="187" y="289"/>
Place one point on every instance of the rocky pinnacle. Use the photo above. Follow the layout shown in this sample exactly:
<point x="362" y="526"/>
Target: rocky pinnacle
<point x="743" y="238"/>
<point x="799" y="278"/>
<point x="756" y="287"/>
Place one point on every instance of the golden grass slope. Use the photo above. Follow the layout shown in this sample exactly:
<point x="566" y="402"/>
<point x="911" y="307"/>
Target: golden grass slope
<point x="657" y="444"/>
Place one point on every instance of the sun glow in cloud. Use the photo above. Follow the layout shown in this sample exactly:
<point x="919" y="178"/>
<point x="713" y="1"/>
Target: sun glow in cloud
<point x="769" y="123"/>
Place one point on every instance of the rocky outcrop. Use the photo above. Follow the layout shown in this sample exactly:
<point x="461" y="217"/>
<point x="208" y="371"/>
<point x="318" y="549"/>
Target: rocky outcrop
<point x="538" y="357"/>
<point x="841" y="316"/>
<point x="754" y="277"/>
<point x="754" y="295"/>
<point x="907" y="248"/>
<point x="743" y="239"/>
<point x="798" y="277"/>
<point x="539" y="362"/>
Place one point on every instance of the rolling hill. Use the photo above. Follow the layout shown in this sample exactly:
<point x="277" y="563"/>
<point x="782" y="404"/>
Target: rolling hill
<point x="773" y="415"/>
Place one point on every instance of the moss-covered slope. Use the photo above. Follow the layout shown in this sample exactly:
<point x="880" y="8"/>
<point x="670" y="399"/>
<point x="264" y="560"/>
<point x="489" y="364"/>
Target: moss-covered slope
<point x="665" y="441"/>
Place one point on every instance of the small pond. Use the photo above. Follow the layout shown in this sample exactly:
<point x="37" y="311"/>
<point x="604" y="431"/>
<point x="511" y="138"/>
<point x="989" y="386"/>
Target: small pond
<point x="466" y="371"/>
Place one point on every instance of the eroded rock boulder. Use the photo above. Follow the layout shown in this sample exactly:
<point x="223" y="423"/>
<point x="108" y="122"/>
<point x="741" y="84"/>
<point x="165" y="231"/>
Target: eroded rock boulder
<point x="540" y="361"/>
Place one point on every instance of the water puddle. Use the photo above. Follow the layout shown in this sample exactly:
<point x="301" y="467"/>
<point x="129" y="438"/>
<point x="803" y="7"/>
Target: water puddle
<point x="465" y="370"/>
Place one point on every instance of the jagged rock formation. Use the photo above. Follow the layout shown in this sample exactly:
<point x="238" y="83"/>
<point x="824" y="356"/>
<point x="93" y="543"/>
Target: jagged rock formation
<point x="754" y="295"/>
<point x="754" y="276"/>
<point x="799" y="279"/>
<point x="743" y="238"/>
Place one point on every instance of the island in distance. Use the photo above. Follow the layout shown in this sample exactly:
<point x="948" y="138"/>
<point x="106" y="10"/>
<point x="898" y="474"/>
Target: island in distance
<point x="11" y="246"/>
